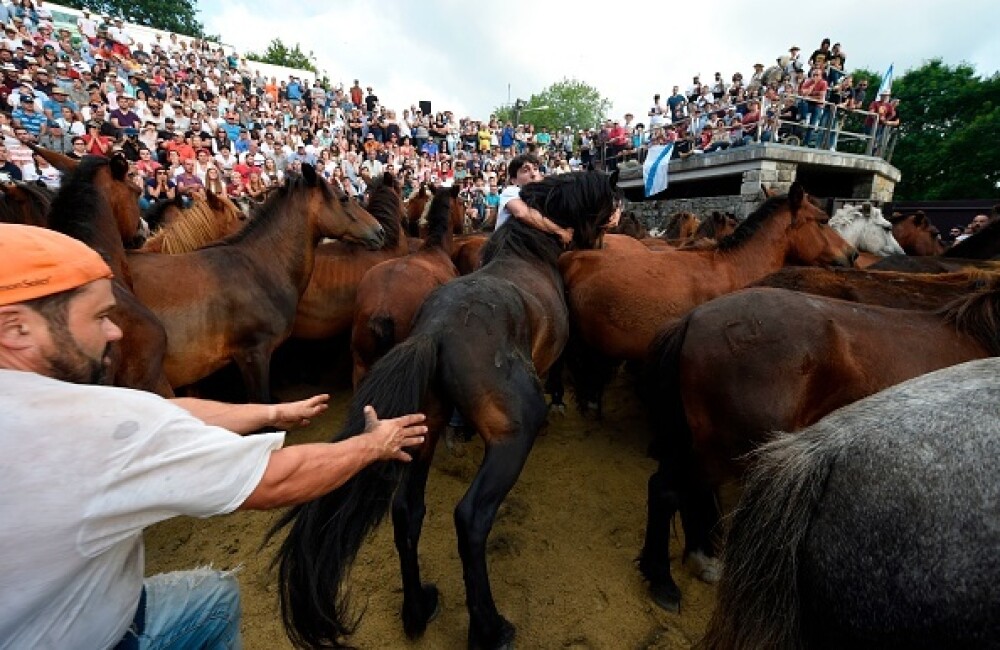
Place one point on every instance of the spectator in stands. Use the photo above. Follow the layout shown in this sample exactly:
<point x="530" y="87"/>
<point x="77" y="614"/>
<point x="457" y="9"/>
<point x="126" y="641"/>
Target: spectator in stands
<point x="158" y="187"/>
<point x="27" y="115"/>
<point x="811" y="106"/>
<point x="882" y="109"/>
<point x="12" y="171"/>
<point x="79" y="149"/>
<point x="56" y="139"/>
<point x="188" y="182"/>
<point x="821" y="56"/>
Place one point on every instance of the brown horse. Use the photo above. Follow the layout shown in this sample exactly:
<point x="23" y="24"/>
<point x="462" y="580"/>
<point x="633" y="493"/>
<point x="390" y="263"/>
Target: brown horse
<point x="236" y="300"/>
<point x="326" y="309"/>
<point x="81" y="210"/>
<point x="415" y="207"/>
<point x="115" y="184"/>
<point x="209" y="218"/>
<point x="620" y="298"/>
<point x="916" y="234"/>
<point x="925" y="291"/>
<point x="479" y="344"/>
<point x="761" y="360"/>
<point x="391" y="293"/>
<point x="630" y="225"/>
<point x="466" y="252"/>
<point x="25" y="203"/>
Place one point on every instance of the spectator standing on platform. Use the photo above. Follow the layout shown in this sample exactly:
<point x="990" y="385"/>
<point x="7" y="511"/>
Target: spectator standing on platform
<point x="813" y="93"/>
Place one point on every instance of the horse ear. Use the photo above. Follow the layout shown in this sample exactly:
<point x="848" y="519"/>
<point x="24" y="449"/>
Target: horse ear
<point x="796" y="195"/>
<point x="919" y="219"/>
<point x="309" y="174"/>
<point x="388" y="178"/>
<point x="118" y="165"/>
<point x="768" y="192"/>
<point x="454" y="191"/>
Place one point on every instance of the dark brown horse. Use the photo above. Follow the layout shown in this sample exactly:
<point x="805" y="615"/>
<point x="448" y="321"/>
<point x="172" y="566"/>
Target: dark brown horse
<point x="81" y="210"/>
<point x="761" y="360"/>
<point x="236" y="300"/>
<point x="326" y="309"/>
<point x="620" y="298"/>
<point x="916" y="234"/>
<point x="479" y="344"/>
<point x="391" y="293"/>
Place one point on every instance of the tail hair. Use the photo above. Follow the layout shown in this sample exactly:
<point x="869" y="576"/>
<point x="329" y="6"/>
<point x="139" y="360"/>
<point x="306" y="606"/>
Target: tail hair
<point x="325" y="534"/>
<point x="757" y="600"/>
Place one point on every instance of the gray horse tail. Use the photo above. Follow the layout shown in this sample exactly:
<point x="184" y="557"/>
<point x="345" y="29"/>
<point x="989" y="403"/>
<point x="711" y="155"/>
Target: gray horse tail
<point x="757" y="602"/>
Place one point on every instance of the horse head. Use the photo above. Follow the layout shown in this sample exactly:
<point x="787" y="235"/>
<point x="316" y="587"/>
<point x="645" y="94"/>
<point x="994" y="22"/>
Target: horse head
<point x="866" y="229"/>
<point x="335" y="214"/>
<point x="810" y="238"/>
<point x="587" y="202"/>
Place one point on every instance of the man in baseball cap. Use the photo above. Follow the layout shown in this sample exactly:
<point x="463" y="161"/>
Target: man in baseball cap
<point x="86" y="468"/>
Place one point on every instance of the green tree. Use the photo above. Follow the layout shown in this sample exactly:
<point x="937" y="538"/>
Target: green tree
<point x="949" y="130"/>
<point x="277" y="53"/>
<point x="169" y="15"/>
<point x="570" y="103"/>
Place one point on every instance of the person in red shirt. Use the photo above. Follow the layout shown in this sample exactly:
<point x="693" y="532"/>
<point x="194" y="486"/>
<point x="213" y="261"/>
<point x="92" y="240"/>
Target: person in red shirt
<point x="812" y="102"/>
<point x="97" y="144"/>
<point x="617" y="142"/>
<point x="179" y="144"/>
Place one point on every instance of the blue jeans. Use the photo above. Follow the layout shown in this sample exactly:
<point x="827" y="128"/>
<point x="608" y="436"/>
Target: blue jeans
<point x="192" y="609"/>
<point x="812" y="114"/>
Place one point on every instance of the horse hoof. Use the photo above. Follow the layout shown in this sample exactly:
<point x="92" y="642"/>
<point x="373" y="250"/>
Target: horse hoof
<point x="666" y="596"/>
<point x="501" y="639"/>
<point x="415" y="624"/>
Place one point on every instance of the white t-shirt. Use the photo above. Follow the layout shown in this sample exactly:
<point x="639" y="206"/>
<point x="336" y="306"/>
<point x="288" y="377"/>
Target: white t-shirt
<point x="83" y="470"/>
<point x="508" y="193"/>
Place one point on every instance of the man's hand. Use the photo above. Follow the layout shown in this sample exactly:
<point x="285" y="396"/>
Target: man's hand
<point x="390" y="436"/>
<point x="565" y="235"/>
<point x="290" y="415"/>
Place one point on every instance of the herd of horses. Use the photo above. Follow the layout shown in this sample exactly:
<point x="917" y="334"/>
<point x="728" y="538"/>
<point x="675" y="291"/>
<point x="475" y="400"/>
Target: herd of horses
<point x="738" y="331"/>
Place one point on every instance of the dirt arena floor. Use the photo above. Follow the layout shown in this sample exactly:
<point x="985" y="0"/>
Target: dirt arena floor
<point x="562" y="552"/>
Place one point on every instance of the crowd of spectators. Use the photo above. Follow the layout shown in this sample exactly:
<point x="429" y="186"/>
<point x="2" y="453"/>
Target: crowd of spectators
<point x="191" y="116"/>
<point x="809" y="100"/>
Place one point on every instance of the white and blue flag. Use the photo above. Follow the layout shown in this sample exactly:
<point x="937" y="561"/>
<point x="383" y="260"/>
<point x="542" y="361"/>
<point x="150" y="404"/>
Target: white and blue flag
<point x="654" y="170"/>
<point x="886" y="86"/>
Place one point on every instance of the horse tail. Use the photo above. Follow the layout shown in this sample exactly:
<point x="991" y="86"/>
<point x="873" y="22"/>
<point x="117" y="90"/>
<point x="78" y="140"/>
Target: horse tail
<point x="325" y="534"/>
<point x="757" y="601"/>
<point x="671" y="432"/>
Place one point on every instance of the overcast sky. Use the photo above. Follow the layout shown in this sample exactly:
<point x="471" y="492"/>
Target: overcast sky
<point x="471" y="57"/>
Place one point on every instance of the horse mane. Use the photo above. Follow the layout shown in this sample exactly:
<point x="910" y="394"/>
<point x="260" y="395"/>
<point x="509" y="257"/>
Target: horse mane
<point x="195" y="227"/>
<point x="978" y="314"/>
<point x="517" y="239"/>
<point x="78" y="200"/>
<point x="438" y="218"/>
<point x="385" y="204"/>
<point x="565" y="199"/>
<point x="982" y="245"/>
<point x="39" y="196"/>
<point x="746" y="230"/>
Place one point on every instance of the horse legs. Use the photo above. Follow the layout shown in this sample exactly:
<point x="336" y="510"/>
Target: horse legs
<point x="474" y="516"/>
<point x="555" y="386"/>
<point x="420" y="602"/>
<point x="699" y="516"/>
<point x="662" y="502"/>
<point x="254" y="365"/>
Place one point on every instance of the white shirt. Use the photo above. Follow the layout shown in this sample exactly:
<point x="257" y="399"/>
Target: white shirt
<point x="508" y="193"/>
<point x="83" y="470"/>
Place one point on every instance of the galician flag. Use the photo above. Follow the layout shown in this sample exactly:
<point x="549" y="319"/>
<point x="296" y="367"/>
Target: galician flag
<point x="886" y="86"/>
<point x="654" y="170"/>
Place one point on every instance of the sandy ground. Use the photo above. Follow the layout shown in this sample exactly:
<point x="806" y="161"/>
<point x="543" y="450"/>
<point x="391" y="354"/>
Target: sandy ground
<point x="562" y="552"/>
